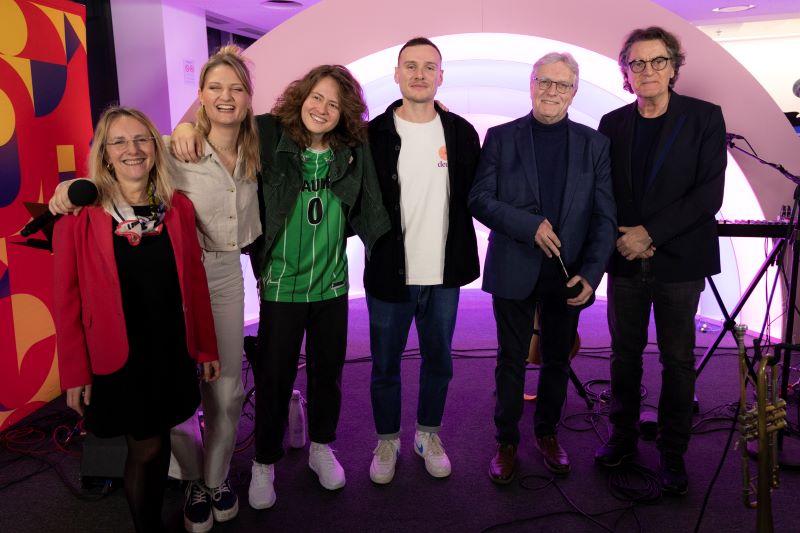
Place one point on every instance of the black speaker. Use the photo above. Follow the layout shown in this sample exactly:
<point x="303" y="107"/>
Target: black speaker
<point x="102" y="459"/>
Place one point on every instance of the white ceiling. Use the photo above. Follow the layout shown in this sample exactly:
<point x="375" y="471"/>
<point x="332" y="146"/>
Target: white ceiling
<point x="699" y="12"/>
<point x="243" y="16"/>
<point x="256" y="17"/>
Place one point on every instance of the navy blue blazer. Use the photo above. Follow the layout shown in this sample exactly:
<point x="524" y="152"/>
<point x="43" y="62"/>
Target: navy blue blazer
<point x="685" y="188"/>
<point x="505" y="198"/>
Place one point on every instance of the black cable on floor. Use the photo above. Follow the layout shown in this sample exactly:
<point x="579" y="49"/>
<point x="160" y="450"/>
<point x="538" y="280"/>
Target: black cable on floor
<point x="28" y="442"/>
<point x="576" y="511"/>
<point x="717" y="472"/>
<point x="632" y="482"/>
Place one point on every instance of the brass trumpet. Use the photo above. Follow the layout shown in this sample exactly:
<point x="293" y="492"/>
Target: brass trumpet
<point x="760" y="422"/>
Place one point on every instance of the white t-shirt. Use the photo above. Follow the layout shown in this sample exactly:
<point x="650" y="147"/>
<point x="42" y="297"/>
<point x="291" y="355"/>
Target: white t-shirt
<point x="424" y="198"/>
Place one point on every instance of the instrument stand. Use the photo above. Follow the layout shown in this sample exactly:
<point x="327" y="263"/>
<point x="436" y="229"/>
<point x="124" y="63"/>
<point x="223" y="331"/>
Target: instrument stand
<point x="579" y="388"/>
<point x="535" y="358"/>
<point x="788" y="449"/>
<point x="729" y="323"/>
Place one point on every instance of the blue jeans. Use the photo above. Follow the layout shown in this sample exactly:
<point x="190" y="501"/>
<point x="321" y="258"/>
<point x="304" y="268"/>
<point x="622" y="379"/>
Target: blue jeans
<point x="433" y="307"/>
<point x="674" y="307"/>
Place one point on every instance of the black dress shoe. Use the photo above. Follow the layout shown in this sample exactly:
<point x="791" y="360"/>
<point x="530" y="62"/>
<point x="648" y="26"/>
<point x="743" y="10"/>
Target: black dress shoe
<point x="555" y="457"/>
<point x="503" y="465"/>
<point x="618" y="449"/>
<point x="674" y="479"/>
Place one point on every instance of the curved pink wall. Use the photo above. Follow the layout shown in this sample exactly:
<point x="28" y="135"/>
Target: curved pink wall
<point x="341" y="31"/>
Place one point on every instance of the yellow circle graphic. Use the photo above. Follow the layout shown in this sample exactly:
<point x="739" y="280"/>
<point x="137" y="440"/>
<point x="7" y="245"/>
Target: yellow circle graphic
<point x="7" y="118"/>
<point x="13" y="28"/>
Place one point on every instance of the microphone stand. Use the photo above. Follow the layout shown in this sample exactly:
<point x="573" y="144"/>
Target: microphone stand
<point x="788" y="449"/>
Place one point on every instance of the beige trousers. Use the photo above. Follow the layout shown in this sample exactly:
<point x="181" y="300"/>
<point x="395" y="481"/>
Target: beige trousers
<point x="222" y="399"/>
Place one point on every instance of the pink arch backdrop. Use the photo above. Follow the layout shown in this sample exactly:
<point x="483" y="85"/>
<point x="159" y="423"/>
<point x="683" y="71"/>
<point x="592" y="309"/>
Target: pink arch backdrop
<point x="344" y="31"/>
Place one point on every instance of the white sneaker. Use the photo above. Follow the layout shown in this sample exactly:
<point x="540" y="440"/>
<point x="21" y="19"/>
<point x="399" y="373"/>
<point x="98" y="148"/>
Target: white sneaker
<point x="429" y="447"/>
<point x="384" y="458"/>
<point x="322" y="461"/>
<point x="261" y="494"/>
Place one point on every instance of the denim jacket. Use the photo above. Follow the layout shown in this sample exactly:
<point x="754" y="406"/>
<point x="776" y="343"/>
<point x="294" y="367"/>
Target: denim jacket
<point x="353" y="181"/>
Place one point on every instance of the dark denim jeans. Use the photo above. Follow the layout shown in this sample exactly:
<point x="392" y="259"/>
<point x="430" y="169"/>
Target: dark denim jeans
<point x="674" y="307"/>
<point x="433" y="308"/>
<point x="559" y="325"/>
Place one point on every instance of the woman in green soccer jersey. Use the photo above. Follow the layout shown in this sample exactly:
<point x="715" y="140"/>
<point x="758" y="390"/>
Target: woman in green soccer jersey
<point x="318" y="182"/>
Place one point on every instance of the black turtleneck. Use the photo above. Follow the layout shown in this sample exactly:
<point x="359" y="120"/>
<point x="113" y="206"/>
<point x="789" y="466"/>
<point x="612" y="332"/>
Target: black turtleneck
<point x="646" y="132"/>
<point x="550" y="149"/>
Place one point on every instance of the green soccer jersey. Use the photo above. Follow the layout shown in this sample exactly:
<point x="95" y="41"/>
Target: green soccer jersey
<point x="308" y="262"/>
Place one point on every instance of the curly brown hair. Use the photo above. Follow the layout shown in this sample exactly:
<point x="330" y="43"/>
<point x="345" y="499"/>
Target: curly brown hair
<point x="352" y="127"/>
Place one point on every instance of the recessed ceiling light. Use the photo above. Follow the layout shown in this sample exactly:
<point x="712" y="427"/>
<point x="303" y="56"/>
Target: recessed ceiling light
<point x="733" y="9"/>
<point x="281" y="4"/>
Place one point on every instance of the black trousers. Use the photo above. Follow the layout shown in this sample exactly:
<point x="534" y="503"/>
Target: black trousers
<point x="559" y="325"/>
<point x="674" y="306"/>
<point x="280" y="336"/>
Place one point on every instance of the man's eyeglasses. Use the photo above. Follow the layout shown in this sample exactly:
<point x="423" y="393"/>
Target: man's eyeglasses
<point x="544" y="85"/>
<point x="658" y="63"/>
<point x="121" y="144"/>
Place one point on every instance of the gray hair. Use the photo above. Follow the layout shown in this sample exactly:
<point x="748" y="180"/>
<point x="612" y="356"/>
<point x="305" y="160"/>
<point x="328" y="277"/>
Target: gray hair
<point x="556" y="57"/>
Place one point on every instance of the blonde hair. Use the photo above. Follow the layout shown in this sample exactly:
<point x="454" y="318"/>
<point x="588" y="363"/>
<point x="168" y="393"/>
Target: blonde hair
<point x="101" y="172"/>
<point x="231" y="56"/>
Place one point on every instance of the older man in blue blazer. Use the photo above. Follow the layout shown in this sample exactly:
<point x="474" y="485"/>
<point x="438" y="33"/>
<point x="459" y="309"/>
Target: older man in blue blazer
<point x="543" y="187"/>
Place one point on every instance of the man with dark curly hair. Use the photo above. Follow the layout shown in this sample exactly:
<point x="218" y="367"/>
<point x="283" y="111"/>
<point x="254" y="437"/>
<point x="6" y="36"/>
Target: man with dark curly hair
<point x="668" y="163"/>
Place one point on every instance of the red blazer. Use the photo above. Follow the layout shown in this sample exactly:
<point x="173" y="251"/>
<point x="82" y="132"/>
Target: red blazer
<point x="90" y="326"/>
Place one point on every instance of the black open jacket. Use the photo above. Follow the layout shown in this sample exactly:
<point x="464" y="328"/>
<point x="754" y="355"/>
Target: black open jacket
<point x="384" y="271"/>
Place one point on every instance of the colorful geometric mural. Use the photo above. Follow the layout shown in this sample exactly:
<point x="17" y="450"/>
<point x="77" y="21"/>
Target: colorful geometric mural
<point x="45" y="129"/>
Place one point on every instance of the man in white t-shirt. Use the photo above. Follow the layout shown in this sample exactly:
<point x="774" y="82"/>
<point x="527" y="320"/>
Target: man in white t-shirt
<point x="425" y="159"/>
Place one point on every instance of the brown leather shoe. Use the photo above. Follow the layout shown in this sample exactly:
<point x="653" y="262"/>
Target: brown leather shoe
<point x="504" y="464"/>
<point x="555" y="457"/>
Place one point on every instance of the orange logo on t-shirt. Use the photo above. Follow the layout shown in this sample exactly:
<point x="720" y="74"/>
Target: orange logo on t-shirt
<point x="443" y="153"/>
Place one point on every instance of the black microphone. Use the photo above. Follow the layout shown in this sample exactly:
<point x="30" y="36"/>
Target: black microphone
<point x="574" y="291"/>
<point x="731" y="136"/>
<point x="80" y="193"/>
<point x="569" y="292"/>
<point x="796" y="88"/>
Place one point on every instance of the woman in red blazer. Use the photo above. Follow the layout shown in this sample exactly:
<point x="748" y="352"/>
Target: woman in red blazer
<point x="132" y="310"/>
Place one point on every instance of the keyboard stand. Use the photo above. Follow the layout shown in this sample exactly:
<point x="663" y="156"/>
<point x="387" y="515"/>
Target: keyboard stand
<point x="730" y="319"/>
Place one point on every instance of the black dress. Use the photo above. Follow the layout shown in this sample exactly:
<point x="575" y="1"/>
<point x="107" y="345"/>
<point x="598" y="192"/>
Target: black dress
<point x="157" y="388"/>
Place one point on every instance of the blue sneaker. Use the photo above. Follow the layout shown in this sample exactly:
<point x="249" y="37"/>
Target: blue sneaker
<point x="197" y="509"/>
<point x="224" y="503"/>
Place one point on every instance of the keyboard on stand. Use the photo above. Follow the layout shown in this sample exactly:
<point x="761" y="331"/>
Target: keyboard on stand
<point x="753" y="228"/>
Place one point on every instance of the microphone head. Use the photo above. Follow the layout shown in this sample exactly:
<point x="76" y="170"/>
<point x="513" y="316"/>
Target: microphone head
<point x="82" y="192"/>
<point x="572" y="292"/>
<point x="796" y="88"/>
